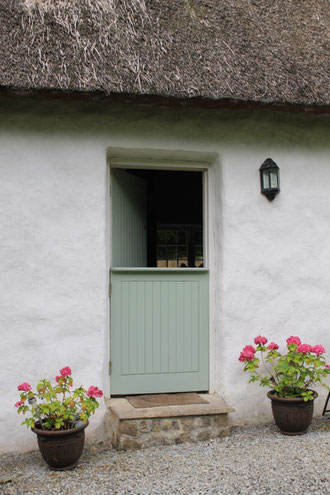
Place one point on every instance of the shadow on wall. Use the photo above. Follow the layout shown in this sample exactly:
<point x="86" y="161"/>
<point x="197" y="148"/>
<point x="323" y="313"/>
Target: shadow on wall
<point x="129" y="120"/>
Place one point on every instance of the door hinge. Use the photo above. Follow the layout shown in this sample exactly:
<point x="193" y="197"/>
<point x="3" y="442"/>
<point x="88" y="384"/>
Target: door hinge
<point x="110" y="367"/>
<point x="110" y="290"/>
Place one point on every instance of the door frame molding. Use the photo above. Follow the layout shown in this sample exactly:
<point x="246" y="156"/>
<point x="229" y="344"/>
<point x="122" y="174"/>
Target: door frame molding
<point x="162" y="159"/>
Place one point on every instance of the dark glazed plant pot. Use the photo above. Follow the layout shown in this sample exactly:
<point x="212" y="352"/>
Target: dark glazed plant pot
<point x="292" y="415"/>
<point x="61" y="449"/>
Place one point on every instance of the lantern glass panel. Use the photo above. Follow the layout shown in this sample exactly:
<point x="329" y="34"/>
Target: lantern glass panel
<point x="273" y="179"/>
<point x="265" y="179"/>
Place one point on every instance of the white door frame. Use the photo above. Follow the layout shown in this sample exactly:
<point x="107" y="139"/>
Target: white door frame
<point x="184" y="166"/>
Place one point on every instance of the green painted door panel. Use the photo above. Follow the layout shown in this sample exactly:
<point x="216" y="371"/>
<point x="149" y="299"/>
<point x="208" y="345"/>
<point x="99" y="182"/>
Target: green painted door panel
<point x="159" y="330"/>
<point x="129" y="210"/>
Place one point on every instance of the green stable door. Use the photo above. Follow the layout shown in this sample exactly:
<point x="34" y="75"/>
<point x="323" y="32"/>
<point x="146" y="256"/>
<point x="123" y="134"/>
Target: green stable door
<point x="159" y="336"/>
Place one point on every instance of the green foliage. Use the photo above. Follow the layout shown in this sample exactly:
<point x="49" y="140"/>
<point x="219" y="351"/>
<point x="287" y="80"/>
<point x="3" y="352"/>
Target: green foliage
<point x="57" y="407"/>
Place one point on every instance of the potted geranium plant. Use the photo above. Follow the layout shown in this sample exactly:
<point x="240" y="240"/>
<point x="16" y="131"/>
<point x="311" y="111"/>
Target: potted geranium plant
<point x="290" y="376"/>
<point x="59" y="416"/>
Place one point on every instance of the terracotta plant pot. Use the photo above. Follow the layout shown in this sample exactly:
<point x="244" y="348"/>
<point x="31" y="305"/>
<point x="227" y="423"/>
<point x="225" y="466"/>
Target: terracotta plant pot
<point x="61" y="449"/>
<point x="292" y="415"/>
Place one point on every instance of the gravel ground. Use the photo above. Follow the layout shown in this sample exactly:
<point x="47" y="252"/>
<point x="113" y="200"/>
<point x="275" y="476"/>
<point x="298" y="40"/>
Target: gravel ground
<point x="254" y="460"/>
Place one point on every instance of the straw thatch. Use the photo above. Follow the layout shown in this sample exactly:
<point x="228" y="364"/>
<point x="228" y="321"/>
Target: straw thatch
<point x="252" y="50"/>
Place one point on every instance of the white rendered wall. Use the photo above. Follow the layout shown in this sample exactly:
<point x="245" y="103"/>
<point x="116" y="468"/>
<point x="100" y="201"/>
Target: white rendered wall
<point x="270" y="262"/>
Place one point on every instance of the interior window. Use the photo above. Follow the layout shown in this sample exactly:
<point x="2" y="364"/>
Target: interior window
<point x="179" y="246"/>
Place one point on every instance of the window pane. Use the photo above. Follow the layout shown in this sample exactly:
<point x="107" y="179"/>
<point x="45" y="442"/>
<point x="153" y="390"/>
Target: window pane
<point x="182" y="237"/>
<point x="171" y="236"/>
<point x="161" y="264"/>
<point x="161" y="253"/>
<point x="172" y="253"/>
<point x="182" y="251"/>
<point x="199" y="251"/>
<point x="198" y="236"/>
<point x="161" y="236"/>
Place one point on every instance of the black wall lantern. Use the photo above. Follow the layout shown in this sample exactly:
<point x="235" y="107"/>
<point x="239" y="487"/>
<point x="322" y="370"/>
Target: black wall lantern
<point x="269" y="179"/>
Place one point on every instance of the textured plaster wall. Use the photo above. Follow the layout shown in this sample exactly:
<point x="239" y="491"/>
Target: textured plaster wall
<point x="270" y="262"/>
<point x="276" y="265"/>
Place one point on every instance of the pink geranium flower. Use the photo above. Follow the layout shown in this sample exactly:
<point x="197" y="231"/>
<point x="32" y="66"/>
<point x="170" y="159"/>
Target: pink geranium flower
<point x="58" y="377"/>
<point x="94" y="392"/>
<point x="318" y="350"/>
<point x="293" y="340"/>
<point x="304" y="348"/>
<point x="19" y="403"/>
<point x="25" y="387"/>
<point x="260" y="340"/>
<point x="327" y="366"/>
<point x="249" y="348"/>
<point x="65" y="371"/>
<point x="272" y="346"/>
<point x="246" y="356"/>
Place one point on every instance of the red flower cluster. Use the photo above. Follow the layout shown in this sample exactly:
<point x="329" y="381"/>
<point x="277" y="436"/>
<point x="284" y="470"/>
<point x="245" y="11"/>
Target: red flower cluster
<point x="293" y="340"/>
<point x="304" y="348"/>
<point x="24" y="387"/>
<point x="94" y="392"/>
<point x="65" y="371"/>
<point x="318" y="350"/>
<point x="247" y="354"/>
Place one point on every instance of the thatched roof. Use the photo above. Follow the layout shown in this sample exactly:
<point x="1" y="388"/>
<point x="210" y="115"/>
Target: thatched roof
<point x="273" y="51"/>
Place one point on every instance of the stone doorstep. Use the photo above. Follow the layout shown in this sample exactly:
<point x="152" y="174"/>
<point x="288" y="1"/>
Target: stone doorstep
<point x="135" y="428"/>
<point x="124" y="410"/>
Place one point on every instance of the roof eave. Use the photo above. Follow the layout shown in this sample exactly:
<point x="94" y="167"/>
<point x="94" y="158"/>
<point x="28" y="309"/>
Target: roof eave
<point x="161" y="100"/>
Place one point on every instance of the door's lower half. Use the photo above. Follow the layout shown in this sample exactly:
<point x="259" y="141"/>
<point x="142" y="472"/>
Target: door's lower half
<point x="159" y="334"/>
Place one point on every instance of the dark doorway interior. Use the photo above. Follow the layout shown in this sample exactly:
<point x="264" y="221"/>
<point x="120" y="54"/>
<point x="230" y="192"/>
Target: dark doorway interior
<point x="174" y="218"/>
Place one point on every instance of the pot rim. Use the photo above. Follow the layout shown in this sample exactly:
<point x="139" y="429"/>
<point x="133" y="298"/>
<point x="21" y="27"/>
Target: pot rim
<point x="272" y="396"/>
<point x="71" y="431"/>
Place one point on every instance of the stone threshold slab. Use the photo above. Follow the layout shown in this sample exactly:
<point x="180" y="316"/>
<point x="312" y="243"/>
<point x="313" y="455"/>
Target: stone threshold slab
<point x="124" y="410"/>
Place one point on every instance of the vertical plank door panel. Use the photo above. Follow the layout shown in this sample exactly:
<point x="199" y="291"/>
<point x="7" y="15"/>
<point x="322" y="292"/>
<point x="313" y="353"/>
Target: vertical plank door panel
<point x="159" y="330"/>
